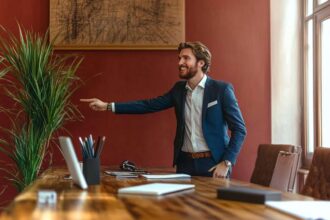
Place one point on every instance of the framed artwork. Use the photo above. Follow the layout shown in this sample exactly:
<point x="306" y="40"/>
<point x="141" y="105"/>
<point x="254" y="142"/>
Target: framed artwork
<point x="117" y="24"/>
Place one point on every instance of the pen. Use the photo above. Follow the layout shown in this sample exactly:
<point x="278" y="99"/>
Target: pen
<point x="97" y="146"/>
<point x="82" y="147"/>
<point x="89" y="152"/>
<point x="100" y="148"/>
<point x="91" y="144"/>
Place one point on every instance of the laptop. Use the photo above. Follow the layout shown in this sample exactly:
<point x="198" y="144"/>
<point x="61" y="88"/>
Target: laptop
<point x="72" y="162"/>
<point x="155" y="189"/>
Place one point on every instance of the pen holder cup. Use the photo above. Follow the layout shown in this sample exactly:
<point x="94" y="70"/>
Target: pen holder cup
<point x="91" y="170"/>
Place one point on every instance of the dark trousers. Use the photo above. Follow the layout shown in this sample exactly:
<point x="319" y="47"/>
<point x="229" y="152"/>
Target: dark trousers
<point x="196" y="167"/>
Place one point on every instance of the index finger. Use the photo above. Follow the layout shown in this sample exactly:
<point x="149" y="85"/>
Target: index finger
<point x="87" y="100"/>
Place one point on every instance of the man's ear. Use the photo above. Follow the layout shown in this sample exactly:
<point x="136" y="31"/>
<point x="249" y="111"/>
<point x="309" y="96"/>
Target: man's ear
<point x="201" y="63"/>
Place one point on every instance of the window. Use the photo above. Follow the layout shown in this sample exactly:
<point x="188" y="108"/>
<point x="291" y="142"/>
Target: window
<point x="317" y="74"/>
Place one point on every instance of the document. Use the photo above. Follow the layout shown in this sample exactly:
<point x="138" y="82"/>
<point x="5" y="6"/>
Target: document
<point x="303" y="209"/>
<point x="166" y="176"/>
<point x="121" y="174"/>
<point x="156" y="189"/>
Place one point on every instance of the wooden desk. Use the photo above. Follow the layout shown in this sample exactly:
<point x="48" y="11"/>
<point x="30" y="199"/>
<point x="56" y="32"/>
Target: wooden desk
<point x="102" y="201"/>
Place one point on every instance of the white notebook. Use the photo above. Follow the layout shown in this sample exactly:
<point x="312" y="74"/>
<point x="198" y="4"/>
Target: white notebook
<point x="156" y="189"/>
<point x="166" y="176"/>
<point x="303" y="209"/>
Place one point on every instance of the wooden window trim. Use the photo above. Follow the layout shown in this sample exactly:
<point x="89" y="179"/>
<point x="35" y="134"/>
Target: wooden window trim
<point x="320" y="13"/>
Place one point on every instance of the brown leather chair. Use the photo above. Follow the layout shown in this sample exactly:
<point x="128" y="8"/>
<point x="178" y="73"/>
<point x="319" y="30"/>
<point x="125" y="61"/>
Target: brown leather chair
<point x="318" y="180"/>
<point x="270" y="159"/>
<point x="285" y="171"/>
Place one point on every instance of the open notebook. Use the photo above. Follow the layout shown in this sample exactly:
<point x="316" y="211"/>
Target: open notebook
<point x="156" y="189"/>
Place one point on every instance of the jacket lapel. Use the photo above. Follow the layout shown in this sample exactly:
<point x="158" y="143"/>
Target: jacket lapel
<point x="183" y="100"/>
<point x="206" y="97"/>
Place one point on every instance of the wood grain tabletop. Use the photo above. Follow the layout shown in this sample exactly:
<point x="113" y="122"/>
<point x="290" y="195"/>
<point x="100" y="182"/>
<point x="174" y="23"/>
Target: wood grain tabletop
<point x="103" y="202"/>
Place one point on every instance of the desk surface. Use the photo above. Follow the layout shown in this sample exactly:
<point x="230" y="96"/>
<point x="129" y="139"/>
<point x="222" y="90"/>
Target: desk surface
<point x="103" y="202"/>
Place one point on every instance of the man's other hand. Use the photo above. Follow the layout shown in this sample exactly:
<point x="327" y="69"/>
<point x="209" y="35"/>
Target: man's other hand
<point x="220" y="170"/>
<point x="96" y="104"/>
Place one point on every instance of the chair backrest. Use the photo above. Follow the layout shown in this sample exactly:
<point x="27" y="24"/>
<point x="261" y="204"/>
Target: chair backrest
<point x="285" y="171"/>
<point x="266" y="162"/>
<point x="318" y="180"/>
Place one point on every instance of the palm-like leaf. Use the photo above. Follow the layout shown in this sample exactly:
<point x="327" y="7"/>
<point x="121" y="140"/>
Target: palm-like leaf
<point x="40" y="85"/>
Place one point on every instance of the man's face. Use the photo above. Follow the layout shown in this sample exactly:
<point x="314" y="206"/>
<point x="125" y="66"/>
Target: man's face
<point x="188" y="65"/>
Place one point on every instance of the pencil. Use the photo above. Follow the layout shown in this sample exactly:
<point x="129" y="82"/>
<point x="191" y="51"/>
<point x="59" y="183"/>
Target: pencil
<point x="100" y="148"/>
<point x="97" y="146"/>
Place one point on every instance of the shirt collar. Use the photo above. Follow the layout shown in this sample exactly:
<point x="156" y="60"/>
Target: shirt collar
<point x="200" y="84"/>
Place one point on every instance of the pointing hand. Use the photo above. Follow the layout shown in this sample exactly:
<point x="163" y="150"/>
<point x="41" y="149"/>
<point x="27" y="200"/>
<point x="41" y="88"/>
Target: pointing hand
<point x="96" y="104"/>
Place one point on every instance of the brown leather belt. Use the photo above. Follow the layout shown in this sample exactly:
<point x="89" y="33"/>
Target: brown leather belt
<point x="198" y="155"/>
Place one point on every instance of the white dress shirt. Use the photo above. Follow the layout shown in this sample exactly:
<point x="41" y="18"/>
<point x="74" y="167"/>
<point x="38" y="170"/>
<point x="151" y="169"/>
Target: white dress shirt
<point x="193" y="137"/>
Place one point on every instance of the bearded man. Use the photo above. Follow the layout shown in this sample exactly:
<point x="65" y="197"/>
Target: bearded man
<point x="205" y="109"/>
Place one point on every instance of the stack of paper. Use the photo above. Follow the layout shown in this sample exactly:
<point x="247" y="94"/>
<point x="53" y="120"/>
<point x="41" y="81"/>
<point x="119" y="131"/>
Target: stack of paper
<point x="121" y="174"/>
<point x="166" y="176"/>
<point x="303" y="209"/>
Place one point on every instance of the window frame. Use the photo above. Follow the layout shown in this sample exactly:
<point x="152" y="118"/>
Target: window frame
<point x="320" y="13"/>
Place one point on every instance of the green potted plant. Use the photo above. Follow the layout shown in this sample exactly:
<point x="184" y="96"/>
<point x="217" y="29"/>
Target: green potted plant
<point x="39" y="85"/>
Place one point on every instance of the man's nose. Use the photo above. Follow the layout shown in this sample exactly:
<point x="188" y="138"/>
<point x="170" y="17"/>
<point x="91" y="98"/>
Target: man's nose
<point x="181" y="62"/>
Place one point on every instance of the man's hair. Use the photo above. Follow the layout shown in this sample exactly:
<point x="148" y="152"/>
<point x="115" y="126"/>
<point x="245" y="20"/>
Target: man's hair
<point x="200" y="51"/>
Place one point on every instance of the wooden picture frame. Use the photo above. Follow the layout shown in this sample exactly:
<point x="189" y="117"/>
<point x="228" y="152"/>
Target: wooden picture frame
<point x="117" y="24"/>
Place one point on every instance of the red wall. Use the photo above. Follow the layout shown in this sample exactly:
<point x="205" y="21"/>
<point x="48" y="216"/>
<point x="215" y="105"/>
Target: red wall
<point x="236" y="32"/>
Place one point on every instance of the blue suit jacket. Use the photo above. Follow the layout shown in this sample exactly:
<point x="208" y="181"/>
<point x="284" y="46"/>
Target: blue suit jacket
<point x="222" y="113"/>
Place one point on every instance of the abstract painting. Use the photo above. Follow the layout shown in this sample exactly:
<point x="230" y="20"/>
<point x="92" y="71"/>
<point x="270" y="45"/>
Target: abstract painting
<point x="117" y="24"/>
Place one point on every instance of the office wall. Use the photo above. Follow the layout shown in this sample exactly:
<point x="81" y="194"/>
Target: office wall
<point x="237" y="33"/>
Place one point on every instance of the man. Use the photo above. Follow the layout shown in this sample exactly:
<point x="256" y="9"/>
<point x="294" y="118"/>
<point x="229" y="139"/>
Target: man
<point x="204" y="108"/>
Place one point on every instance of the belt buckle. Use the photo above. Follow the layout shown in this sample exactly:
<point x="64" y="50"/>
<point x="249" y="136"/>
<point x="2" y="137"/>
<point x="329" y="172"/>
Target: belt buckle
<point x="194" y="155"/>
<point x="199" y="155"/>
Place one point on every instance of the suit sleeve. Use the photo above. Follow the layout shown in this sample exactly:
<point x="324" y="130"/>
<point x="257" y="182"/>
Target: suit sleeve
<point x="145" y="106"/>
<point x="236" y="125"/>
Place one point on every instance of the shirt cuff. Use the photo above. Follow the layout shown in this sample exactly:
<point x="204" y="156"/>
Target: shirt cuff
<point x="113" y="107"/>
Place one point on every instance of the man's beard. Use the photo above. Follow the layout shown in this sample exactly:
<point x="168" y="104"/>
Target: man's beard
<point x="192" y="71"/>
